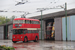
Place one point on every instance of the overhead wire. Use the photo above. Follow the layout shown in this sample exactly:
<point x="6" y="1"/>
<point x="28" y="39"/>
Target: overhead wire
<point x="44" y="10"/>
<point x="52" y="4"/>
<point x="11" y="7"/>
<point x="70" y="3"/>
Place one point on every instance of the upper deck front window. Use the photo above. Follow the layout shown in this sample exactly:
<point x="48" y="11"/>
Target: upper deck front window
<point x="15" y="21"/>
<point x="18" y="21"/>
<point x="21" y="21"/>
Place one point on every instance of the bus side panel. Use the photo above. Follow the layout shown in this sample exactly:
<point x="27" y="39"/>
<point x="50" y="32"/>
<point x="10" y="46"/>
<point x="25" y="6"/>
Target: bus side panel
<point x="32" y="36"/>
<point x="35" y="26"/>
<point x="30" y="26"/>
<point x="38" y="36"/>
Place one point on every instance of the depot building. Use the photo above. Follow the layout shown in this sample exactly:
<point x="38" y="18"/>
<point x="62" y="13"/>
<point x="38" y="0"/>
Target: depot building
<point x="53" y="26"/>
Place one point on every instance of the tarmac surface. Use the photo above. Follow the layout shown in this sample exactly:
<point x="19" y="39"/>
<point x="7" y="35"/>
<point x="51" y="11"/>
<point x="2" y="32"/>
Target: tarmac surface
<point x="40" y="45"/>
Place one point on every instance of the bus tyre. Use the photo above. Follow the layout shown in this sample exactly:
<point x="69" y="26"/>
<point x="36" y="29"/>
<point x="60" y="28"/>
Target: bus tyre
<point x="25" y="39"/>
<point x="14" y="41"/>
<point x="36" y="39"/>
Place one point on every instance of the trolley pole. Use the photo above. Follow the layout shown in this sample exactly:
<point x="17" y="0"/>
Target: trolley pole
<point x="66" y="18"/>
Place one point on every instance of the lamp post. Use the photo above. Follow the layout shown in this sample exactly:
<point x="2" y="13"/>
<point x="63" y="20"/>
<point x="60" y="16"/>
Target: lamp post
<point x="41" y="23"/>
<point x="6" y="27"/>
<point x="41" y="10"/>
<point x="66" y="18"/>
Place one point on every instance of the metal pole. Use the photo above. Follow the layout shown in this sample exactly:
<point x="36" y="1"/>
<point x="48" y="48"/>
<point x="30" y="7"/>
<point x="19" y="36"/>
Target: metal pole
<point x="66" y="18"/>
<point x="41" y="24"/>
<point x="6" y="27"/>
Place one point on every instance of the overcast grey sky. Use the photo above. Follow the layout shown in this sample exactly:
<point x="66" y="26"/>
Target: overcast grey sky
<point x="31" y="6"/>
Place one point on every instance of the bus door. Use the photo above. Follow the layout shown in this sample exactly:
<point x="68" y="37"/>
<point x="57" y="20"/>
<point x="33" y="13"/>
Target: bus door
<point x="28" y="34"/>
<point x="25" y="32"/>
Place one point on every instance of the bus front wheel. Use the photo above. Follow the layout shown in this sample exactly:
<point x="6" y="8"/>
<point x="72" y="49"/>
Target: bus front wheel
<point x="25" y="39"/>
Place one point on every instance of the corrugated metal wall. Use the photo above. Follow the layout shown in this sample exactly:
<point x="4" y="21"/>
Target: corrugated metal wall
<point x="1" y="32"/>
<point x="58" y="28"/>
<point x="9" y="31"/>
<point x="70" y="28"/>
<point x="72" y="21"/>
<point x="64" y="28"/>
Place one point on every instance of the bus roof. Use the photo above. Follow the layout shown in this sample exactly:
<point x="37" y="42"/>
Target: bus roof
<point x="26" y="19"/>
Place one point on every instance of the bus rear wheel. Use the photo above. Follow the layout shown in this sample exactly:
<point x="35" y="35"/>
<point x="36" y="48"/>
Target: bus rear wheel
<point x="36" y="39"/>
<point x="25" y="39"/>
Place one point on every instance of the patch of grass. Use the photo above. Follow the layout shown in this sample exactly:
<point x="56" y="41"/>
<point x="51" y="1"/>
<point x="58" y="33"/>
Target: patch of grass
<point x="7" y="48"/>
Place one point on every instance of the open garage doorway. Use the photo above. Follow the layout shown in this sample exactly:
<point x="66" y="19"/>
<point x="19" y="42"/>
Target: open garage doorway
<point x="6" y="32"/>
<point x="50" y="31"/>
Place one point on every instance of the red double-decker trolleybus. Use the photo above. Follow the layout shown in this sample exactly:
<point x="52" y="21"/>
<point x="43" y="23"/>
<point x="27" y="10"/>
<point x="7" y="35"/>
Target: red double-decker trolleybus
<point x="25" y="30"/>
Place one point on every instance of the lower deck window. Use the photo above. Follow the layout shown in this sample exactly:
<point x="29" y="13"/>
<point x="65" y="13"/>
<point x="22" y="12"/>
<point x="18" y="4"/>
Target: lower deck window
<point x="22" y="31"/>
<point x="18" y="31"/>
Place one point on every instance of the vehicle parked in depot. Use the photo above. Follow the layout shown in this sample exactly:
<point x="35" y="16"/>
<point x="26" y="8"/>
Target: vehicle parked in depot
<point x="25" y="30"/>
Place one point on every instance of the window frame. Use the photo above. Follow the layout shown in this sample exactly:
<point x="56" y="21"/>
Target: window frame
<point x="34" y="22"/>
<point x="27" y="21"/>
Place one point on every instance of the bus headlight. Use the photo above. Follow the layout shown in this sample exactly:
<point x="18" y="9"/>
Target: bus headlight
<point x="14" y="36"/>
<point x="20" y="25"/>
<point x="21" y="36"/>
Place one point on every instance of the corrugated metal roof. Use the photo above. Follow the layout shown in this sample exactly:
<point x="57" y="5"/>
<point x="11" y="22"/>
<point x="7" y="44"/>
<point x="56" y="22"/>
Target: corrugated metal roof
<point x="55" y="15"/>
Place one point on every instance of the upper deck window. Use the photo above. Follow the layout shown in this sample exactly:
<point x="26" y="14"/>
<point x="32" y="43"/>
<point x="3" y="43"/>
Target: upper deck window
<point x="27" y="21"/>
<point x="34" y="22"/>
<point x="15" y="21"/>
<point x="18" y="21"/>
<point x="37" y="22"/>
<point x="21" y="21"/>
